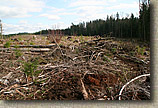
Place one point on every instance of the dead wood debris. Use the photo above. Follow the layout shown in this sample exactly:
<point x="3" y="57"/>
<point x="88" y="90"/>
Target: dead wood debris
<point x="94" y="70"/>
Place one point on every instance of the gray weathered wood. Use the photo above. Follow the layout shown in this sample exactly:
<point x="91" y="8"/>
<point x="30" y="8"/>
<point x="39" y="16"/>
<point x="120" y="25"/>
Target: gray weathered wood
<point x="26" y="49"/>
<point x="33" y="46"/>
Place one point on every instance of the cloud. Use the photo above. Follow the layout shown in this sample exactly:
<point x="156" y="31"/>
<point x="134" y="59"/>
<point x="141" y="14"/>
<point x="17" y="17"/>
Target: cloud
<point x="24" y="26"/>
<point x="7" y="12"/>
<point x="56" y="10"/>
<point x="19" y="8"/>
<point x="87" y="13"/>
<point x="124" y="6"/>
<point x="50" y="16"/>
<point x="124" y="9"/>
<point x="87" y="10"/>
<point x="90" y="3"/>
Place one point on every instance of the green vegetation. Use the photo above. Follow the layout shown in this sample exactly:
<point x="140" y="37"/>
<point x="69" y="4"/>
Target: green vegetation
<point x="30" y="68"/>
<point x="16" y="46"/>
<point x="128" y="27"/>
<point x="77" y="50"/>
<point x="113" y="50"/>
<point x="7" y="44"/>
<point x="31" y="43"/>
<point x="105" y="59"/>
<point x="18" y="53"/>
<point x="108" y="54"/>
<point x="140" y="50"/>
<point x="20" y="39"/>
<point x="81" y="38"/>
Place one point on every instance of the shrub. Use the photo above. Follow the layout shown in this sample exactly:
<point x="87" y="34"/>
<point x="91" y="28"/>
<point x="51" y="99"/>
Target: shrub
<point x="7" y="44"/>
<point x="18" y="53"/>
<point x="30" y="68"/>
<point x="140" y="50"/>
<point x="113" y="50"/>
<point x="31" y="43"/>
<point x="81" y="39"/>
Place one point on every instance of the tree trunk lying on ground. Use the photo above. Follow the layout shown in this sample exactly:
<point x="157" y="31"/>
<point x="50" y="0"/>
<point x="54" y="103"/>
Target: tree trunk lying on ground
<point x="27" y="49"/>
<point x="34" y="46"/>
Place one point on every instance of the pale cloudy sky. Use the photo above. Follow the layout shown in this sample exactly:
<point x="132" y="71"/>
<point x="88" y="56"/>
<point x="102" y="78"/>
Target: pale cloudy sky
<point x="34" y="15"/>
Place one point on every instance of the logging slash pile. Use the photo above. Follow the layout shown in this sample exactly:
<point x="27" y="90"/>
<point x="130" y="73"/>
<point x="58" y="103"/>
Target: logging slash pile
<point x="77" y="68"/>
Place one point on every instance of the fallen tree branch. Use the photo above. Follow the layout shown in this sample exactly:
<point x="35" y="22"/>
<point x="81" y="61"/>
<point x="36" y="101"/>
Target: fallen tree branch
<point x="33" y="46"/>
<point x="27" y="49"/>
<point x="120" y="93"/>
<point x="131" y="58"/>
<point x="80" y="57"/>
<point x="85" y="94"/>
<point x="58" y="46"/>
<point x="98" y="55"/>
<point x="20" y="93"/>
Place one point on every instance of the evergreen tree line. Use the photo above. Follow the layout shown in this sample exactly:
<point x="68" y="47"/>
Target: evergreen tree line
<point x="132" y="27"/>
<point x="128" y="27"/>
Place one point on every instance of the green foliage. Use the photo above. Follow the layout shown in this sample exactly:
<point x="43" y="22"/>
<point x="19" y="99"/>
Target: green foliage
<point x="18" y="53"/>
<point x="108" y="54"/>
<point x="81" y="39"/>
<point x="77" y="50"/>
<point x="31" y="43"/>
<point x="105" y="59"/>
<point x="20" y="39"/>
<point x="7" y="44"/>
<point x="20" y="61"/>
<point x="132" y="53"/>
<point x="33" y="38"/>
<point x="16" y="46"/>
<point x="140" y="50"/>
<point x="74" y="77"/>
<point x="30" y="68"/>
<point x="113" y="50"/>
<point x="43" y="38"/>
<point x="71" y="39"/>
<point x="60" y="44"/>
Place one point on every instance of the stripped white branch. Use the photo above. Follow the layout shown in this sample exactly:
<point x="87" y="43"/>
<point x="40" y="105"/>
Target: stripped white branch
<point x="7" y="76"/>
<point x="58" y="46"/>
<point x="98" y="55"/>
<point x="130" y="82"/>
<point x="92" y="56"/>
<point x="85" y="94"/>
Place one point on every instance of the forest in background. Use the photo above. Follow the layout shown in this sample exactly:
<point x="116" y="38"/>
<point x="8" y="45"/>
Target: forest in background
<point x="114" y="26"/>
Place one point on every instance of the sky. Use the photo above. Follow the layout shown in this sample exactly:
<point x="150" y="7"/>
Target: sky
<point x="34" y="15"/>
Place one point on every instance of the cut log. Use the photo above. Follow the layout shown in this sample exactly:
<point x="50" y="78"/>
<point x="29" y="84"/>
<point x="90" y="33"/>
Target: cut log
<point x="27" y="49"/>
<point x="33" y="46"/>
<point x="131" y="58"/>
